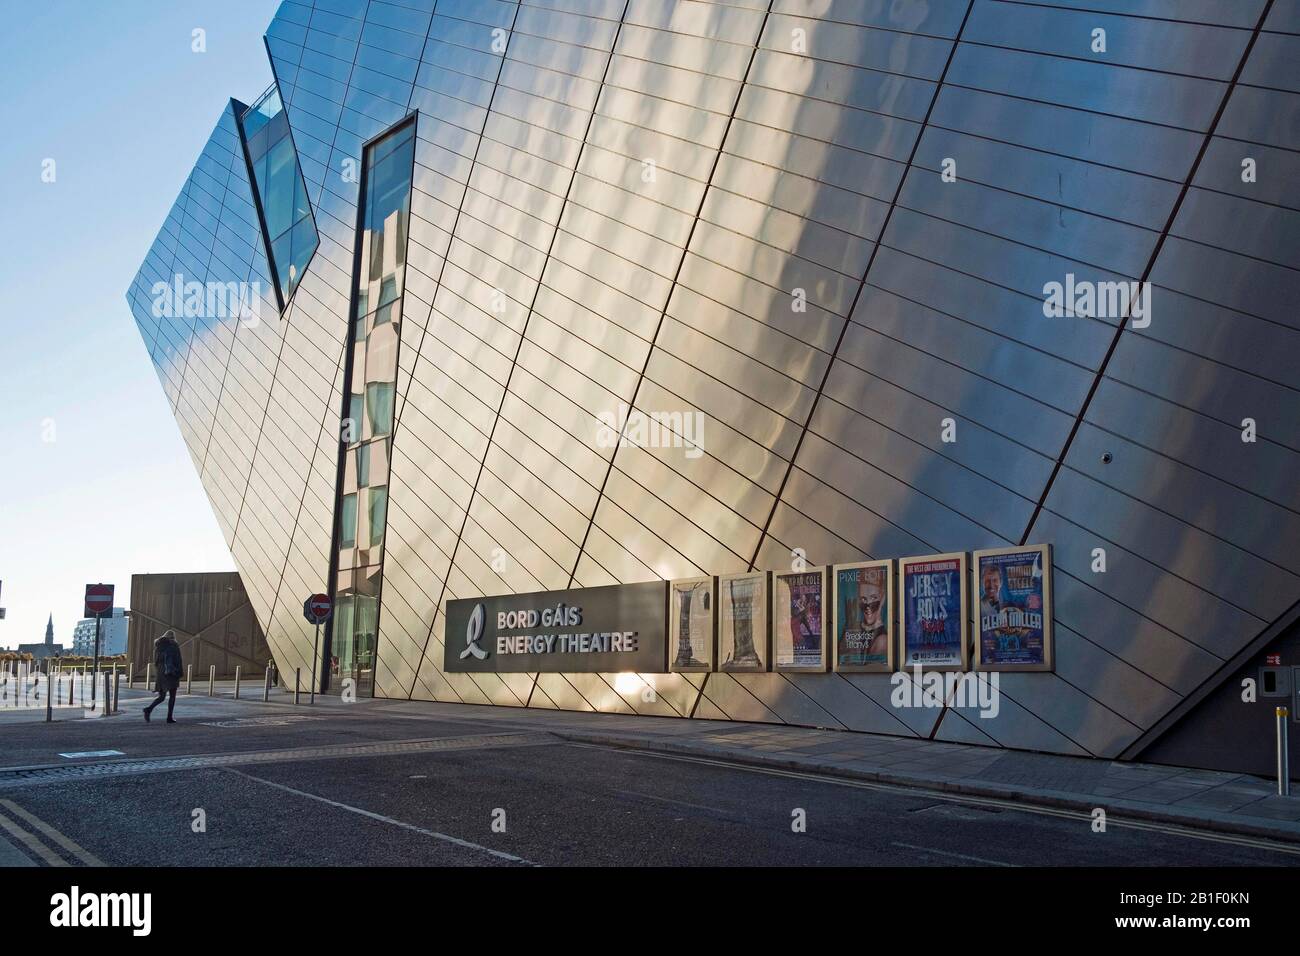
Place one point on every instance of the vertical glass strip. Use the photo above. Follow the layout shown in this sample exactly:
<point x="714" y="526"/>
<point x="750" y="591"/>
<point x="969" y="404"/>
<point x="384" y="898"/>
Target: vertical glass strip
<point x="371" y="379"/>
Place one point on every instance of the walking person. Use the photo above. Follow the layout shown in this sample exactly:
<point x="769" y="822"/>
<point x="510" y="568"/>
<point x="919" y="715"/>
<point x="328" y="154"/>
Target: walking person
<point x="167" y="660"/>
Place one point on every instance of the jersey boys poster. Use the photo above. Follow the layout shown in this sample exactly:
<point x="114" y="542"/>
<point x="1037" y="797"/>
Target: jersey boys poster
<point x="934" y="610"/>
<point x="1013" y="621"/>
<point x="863" y="616"/>
<point x="798" y="620"/>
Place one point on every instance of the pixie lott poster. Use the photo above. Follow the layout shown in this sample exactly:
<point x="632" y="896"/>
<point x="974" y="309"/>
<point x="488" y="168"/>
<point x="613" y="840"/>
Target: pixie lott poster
<point x="863" y="612"/>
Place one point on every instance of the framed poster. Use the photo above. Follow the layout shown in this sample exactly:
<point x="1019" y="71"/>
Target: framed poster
<point x="1013" y="616"/>
<point x="690" y="624"/>
<point x="932" y="611"/>
<point x="799" y="620"/>
<point x="862" y="616"/>
<point x="742" y="622"/>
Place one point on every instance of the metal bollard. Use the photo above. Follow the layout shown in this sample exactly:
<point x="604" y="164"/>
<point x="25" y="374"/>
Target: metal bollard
<point x="237" y="669"/>
<point x="266" y="685"/>
<point x="297" y="683"/>
<point x="1283" y="757"/>
<point x="189" y="678"/>
<point x="130" y="676"/>
<point x="148" y="676"/>
<point x="117" y="688"/>
<point x="212" y="678"/>
<point x="49" y="695"/>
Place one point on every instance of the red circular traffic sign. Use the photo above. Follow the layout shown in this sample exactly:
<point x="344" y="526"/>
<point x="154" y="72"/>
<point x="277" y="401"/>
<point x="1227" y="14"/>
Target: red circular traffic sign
<point x="317" y="608"/>
<point x="99" y="598"/>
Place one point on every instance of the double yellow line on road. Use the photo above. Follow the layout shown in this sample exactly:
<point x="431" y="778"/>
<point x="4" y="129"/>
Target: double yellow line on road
<point x="14" y="813"/>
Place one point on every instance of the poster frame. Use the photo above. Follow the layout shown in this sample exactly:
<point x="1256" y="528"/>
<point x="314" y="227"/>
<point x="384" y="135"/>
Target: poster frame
<point x="674" y="626"/>
<point x="891" y="598"/>
<point x="1049" y="634"/>
<point x="821" y="667"/>
<point x="963" y="578"/>
<point x="762" y="641"/>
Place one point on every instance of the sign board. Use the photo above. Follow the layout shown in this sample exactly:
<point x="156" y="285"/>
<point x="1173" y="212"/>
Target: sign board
<point x="799" y="620"/>
<point x="617" y="627"/>
<point x="317" y="608"/>
<point x="742" y="622"/>
<point x="1013" y="616"/>
<point x="932" y="611"/>
<point x="863" y="616"/>
<point x="99" y="599"/>
<point x="691" y="624"/>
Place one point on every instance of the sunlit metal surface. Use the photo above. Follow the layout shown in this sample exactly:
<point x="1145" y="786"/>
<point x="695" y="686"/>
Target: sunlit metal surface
<point x="614" y="203"/>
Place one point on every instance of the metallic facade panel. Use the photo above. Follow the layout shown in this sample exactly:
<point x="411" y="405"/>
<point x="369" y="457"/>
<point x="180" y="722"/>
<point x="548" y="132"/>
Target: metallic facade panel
<point x="738" y="211"/>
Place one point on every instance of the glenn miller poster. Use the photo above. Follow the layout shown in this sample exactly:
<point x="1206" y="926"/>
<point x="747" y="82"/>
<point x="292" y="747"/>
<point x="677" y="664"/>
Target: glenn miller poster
<point x="798" y="620"/>
<point x="863" y="609"/>
<point x="1013" y="623"/>
<point x="690" y="624"/>
<point x="742" y="622"/>
<point x="933" y="611"/>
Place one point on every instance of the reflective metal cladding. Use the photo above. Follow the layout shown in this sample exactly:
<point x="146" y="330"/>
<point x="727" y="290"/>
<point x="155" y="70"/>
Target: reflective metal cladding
<point x="660" y="289"/>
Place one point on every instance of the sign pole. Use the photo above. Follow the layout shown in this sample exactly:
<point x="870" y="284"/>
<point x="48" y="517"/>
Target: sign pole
<point x="314" y="652"/>
<point x="94" y="680"/>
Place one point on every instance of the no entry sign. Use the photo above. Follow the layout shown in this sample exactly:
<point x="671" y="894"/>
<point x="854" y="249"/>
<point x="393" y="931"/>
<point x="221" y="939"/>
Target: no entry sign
<point x="99" y="599"/>
<point x="317" y="608"/>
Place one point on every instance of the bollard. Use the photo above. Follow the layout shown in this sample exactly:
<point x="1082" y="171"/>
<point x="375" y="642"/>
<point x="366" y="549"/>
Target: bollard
<point x="49" y="695"/>
<point x="212" y="678"/>
<point x="130" y="676"/>
<point x="148" y="676"/>
<point x="117" y="688"/>
<point x="237" y="668"/>
<point x="297" y="683"/>
<point x="72" y="688"/>
<point x="189" y="678"/>
<point x="266" y="685"/>
<point x="1283" y="758"/>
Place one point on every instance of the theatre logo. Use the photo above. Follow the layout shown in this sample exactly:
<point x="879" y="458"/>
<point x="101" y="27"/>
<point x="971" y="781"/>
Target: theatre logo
<point x="76" y="909"/>
<point x="606" y="629"/>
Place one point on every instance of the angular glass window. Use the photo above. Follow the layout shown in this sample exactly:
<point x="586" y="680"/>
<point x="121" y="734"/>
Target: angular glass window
<point x="287" y="224"/>
<point x="375" y="337"/>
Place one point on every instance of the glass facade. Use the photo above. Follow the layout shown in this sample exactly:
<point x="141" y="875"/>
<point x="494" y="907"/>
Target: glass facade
<point x="374" y="339"/>
<point x="282" y="193"/>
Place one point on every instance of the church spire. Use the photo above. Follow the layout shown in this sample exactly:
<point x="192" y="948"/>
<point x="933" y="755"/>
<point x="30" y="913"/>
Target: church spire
<point x="49" y="632"/>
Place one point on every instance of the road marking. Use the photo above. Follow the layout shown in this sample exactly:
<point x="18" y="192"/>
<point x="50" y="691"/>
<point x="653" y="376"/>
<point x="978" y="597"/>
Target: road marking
<point x="383" y="819"/>
<point x="93" y="753"/>
<point x="85" y="856"/>
<point x="957" y="856"/>
<point x="36" y="846"/>
<point x="1173" y="829"/>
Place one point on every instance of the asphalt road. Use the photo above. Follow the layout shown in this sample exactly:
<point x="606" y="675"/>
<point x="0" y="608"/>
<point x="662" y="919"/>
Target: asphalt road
<point x="434" y="800"/>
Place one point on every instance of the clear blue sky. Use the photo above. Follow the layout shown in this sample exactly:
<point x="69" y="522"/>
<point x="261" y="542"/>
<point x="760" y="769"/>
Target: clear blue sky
<point x="111" y="90"/>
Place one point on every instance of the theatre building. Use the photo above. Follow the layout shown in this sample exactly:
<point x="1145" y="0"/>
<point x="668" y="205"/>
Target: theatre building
<point x="942" y="355"/>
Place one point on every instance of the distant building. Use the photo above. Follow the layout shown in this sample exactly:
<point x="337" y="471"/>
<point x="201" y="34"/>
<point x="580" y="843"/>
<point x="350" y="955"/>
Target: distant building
<point x="46" y="648"/>
<point x="211" y="615"/>
<point x="112" y="635"/>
